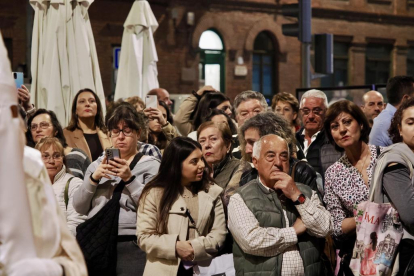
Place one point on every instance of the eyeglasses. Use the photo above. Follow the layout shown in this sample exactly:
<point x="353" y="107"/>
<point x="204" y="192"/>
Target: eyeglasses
<point x="56" y="156"/>
<point x="126" y="131"/>
<point x="316" y="111"/>
<point x="42" y="125"/>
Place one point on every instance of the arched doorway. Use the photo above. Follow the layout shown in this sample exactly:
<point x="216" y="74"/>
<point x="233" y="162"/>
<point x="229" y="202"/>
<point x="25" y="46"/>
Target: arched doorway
<point x="212" y="60"/>
<point x="264" y="71"/>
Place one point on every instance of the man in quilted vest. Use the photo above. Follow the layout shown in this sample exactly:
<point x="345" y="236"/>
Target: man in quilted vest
<point x="278" y="225"/>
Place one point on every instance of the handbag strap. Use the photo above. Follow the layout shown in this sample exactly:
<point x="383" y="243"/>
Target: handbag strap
<point x="377" y="177"/>
<point x="121" y="185"/>
<point x="66" y="193"/>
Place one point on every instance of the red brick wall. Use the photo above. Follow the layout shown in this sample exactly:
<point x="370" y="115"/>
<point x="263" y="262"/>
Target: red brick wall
<point x="238" y="22"/>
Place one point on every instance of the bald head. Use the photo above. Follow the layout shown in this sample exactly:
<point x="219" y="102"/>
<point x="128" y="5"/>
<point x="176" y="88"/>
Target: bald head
<point x="373" y="105"/>
<point x="162" y="95"/>
<point x="270" y="156"/>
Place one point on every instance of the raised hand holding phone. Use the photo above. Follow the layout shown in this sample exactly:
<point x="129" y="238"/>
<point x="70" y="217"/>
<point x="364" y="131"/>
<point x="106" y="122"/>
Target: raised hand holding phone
<point x="151" y="101"/>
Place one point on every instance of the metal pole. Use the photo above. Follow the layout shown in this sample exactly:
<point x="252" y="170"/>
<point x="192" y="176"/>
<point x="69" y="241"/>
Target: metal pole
<point x="306" y="64"/>
<point x="29" y="32"/>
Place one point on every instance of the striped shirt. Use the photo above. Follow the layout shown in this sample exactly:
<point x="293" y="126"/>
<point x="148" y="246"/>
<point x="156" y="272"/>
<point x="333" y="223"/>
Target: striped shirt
<point x="77" y="162"/>
<point x="150" y="150"/>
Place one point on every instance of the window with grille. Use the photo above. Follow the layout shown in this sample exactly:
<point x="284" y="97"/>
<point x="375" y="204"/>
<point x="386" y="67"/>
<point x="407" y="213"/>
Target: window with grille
<point x="377" y="63"/>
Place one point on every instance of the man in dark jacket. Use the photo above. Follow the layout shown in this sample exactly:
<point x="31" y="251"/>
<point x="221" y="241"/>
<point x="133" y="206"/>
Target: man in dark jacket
<point x="319" y="152"/>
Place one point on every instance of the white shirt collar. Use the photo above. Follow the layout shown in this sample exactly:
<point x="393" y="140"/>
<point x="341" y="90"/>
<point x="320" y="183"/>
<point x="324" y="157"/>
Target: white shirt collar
<point x="260" y="181"/>
<point x="313" y="136"/>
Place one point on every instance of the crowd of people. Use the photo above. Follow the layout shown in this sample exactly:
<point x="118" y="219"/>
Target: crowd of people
<point x="220" y="186"/>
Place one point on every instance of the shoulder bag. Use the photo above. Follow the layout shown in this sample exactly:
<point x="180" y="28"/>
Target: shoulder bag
<point x="97" y="237"/>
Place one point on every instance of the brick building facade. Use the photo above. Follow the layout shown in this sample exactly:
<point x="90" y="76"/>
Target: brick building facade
<point x="374" y="39"/>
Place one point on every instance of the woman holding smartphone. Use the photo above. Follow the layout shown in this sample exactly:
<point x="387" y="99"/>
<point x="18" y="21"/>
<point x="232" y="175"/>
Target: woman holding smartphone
<point x="180" y="217"/>
<point x="103" y="175"/>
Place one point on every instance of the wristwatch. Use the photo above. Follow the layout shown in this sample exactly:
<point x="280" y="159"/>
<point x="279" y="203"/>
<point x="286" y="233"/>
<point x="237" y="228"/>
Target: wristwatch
<point x="300" y="200"/>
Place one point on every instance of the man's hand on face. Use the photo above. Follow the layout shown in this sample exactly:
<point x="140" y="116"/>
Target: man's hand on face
<point x="286" y="184"/>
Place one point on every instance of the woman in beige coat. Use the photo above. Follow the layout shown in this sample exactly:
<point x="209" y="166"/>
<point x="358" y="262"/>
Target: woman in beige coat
<point x="180" y="216"/>
<point x="86" y="129"/>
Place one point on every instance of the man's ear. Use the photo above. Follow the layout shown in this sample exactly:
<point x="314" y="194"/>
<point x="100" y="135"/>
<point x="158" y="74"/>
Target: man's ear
<point x="254" y="160"/>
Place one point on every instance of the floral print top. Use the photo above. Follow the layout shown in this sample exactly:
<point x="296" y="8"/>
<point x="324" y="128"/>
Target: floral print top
<point x="344" y="188"/>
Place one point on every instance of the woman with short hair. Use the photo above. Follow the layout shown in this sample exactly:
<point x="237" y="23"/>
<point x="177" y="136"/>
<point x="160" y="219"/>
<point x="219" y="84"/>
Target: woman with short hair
<point x="216" y="142"/>
<point x="86" y="129"/>
<point x="63" y="182"/>
<point x="347" y="181"/>
<point x="103" y="176"/>
<point x="180" y="217"/>
<point x="288" y="106"/>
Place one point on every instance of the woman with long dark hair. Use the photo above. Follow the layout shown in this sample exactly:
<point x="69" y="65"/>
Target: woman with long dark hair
<point x="160" y="128"/>
<point x="86" y="129"/>
<point x="180" y="215"/>
<point x="195" y="109"/>
<point x="398" y="180"/>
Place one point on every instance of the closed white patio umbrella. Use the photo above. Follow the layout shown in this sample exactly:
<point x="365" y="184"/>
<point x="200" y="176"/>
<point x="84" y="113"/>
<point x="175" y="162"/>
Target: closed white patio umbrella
<point x="138" y="72"/>
<point x="64" y="58"/>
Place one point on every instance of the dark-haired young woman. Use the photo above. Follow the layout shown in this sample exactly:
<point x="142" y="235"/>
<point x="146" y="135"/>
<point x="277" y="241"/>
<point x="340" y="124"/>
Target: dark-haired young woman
<point x="44" y="123"/>
<point x="161" y="131"/>
<point x="102" y="177"/>
<point x="398" y="182"/>
<point x="86" y="129"/>
<point x="180" y="216"/>
<point x="195" y="109"/>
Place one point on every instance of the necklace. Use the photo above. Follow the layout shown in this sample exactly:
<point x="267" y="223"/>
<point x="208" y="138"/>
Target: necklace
<point x="363" y="164"/>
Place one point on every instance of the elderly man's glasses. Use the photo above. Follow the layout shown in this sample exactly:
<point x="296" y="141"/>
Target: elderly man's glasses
<point x="42" y="125"/>
<point x="316" y="111"/>
<point x="47" y="157"/>
<point x="126" y="131"/>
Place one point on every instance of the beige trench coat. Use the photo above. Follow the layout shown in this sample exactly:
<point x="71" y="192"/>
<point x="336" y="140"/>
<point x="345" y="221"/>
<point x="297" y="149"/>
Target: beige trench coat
<point x="160" y="249"/>
<point x="75" y="139"/>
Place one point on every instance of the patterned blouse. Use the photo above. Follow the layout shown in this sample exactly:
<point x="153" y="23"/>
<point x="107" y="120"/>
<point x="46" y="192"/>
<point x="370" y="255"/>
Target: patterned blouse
<point x="345" y="187"/>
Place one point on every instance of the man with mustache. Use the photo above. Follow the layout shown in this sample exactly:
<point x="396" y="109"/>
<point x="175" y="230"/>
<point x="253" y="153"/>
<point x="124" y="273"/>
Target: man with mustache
<point x="319" y="152"/>
<point x="373" y="105"/>
<point x="278" y="225"/>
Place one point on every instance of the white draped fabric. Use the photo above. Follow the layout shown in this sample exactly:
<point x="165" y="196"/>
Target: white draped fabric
<point x="64" y="58"/>
<point x="16" y="236"/>
<point x="138" y="72"/>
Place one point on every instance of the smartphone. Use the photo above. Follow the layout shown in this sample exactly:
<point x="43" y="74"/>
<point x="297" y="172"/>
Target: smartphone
<point x="151" y="101"/>
<point x="18" y="79"/>
<point x="111" y="153"/>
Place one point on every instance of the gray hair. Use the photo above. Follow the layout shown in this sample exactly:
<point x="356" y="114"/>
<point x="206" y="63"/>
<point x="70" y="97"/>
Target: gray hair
<point x="314" y="93"/>
<point x="250" y="95"/>
<point x="269" y="123"/>
<point x="257" y="147"/>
